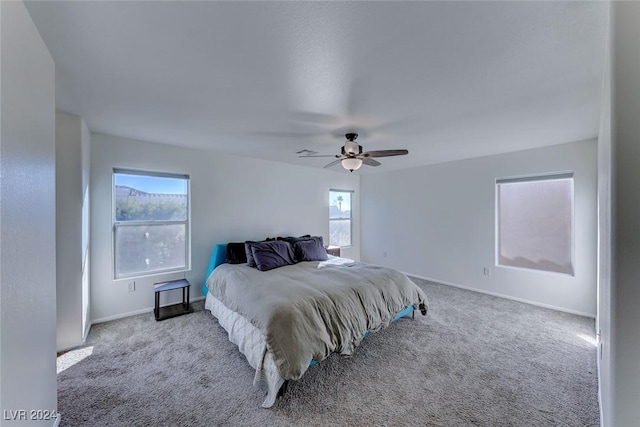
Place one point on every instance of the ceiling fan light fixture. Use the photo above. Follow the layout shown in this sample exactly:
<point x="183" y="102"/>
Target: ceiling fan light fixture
<point x="351" y="164"/>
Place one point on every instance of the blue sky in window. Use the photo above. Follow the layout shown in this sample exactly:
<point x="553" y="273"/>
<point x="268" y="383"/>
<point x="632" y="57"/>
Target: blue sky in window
<point x="344" y="204"/>
<point x="153" y="184"/>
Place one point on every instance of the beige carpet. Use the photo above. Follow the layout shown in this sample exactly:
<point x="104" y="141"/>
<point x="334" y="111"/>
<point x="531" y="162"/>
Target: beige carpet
<point x="474" y="360"/>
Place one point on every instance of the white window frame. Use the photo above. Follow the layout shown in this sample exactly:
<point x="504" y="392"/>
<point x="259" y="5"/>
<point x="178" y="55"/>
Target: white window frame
<point x="350" y="218"/>
<point x="535" y="178"/>
<point x="118" y="224"/>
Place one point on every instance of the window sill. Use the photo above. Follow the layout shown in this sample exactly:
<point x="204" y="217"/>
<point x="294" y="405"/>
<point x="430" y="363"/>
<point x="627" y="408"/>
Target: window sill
<point x="155" y="274"/>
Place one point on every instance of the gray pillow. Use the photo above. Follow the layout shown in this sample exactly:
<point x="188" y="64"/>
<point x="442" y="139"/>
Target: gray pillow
<point x="310" y="249"/>
<point x="273" y="254"/>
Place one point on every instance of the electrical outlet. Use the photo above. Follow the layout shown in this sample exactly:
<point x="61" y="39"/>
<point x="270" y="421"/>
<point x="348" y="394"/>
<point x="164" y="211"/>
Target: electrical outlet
<point x="131" y="286"/>
<point x="487" y="271"/>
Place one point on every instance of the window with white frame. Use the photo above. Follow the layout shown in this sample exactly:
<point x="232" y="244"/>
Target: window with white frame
<point x="534" y="222"/>
<point x="151" y="222"/>
<point x="340" y="218"/>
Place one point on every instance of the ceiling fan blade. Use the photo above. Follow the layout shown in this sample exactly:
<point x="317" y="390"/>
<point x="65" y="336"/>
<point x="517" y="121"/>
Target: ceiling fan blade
<point x="370" y="162"/>
<point x="335" y="162"/>
<point x="320" y="155"/>
<point x="385" y="153"/>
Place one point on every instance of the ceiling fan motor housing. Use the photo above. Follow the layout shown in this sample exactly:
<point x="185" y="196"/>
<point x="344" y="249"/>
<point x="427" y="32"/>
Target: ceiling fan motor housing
<point x="351" y="148"/>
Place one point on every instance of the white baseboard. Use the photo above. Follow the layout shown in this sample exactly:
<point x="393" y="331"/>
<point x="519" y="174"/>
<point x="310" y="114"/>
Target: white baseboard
<point x="133" y="313"/>
<point x="499" y="295"/>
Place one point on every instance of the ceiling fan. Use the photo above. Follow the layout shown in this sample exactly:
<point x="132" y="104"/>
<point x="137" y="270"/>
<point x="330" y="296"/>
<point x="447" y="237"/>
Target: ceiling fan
<point x="352" y="157"/>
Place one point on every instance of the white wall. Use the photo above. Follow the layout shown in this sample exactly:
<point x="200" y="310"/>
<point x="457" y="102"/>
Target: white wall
<point x="86" y="230"/>
<point x="625" y="122"/>
<point x="439" y="222"/>
<point x="72" y="184"/>
<point x="232" y="199"/>
<point x="605" y="249"/>
<point x="27" y="237"/>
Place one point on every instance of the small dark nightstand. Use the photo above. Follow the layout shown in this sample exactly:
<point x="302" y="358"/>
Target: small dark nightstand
<point x="333" y="250"/>
<point x="174" y="310"/>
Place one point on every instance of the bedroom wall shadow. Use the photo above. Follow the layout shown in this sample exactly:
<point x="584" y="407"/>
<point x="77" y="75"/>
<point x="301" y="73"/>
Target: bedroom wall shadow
<point x="442" y="225"/>
<point x="72" y="229"/>
<point x="232" y="199"/>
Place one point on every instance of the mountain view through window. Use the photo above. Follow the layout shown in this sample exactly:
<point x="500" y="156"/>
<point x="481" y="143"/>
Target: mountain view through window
<point x="151" y="223"/>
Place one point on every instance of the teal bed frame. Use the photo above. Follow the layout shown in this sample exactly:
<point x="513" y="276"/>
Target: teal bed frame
<point x="219" y="256"/>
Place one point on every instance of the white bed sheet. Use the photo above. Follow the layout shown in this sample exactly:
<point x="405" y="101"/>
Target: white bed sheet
<point x="336" y="261"/>
<point x="251" y="342"/>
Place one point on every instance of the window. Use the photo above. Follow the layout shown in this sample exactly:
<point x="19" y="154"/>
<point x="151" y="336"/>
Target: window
<point x="535" y="222"/>
<point x="340" y="218"/>
<point x="151" y="223"/>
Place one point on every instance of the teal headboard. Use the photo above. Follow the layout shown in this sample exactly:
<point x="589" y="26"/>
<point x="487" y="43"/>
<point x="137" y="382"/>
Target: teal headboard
<point x="218" y="256"/>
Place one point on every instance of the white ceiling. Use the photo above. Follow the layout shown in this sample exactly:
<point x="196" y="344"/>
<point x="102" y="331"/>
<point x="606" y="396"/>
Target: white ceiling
<point x="445" y="80"/>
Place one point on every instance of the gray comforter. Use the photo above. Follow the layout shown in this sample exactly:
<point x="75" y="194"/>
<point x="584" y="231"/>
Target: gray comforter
<point x="306" y="312"/>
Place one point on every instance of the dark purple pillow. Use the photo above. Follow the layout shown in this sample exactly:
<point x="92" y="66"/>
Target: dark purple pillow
<point x="247" y="250"/>
<point x="273" y="254"/>
<point x="236" y="253"/>
<point x="310" y="250"/>
<point x="292" y="239"/>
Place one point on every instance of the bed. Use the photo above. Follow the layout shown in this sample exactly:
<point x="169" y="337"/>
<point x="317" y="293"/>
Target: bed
<point x="287" y="319"/>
